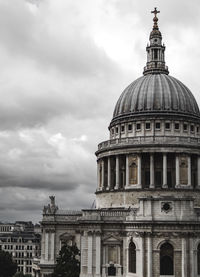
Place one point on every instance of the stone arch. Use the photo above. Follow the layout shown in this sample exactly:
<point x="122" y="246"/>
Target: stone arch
<point x="164" y="241"/>
<point x="134" y="241"/>
<point x="67" y="238"/>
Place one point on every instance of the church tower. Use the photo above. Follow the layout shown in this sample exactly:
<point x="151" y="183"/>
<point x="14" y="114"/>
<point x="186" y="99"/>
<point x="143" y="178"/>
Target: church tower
<point x="147" y="217"/>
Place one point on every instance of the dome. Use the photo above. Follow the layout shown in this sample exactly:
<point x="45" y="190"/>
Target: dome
<point x="156" y="93"/>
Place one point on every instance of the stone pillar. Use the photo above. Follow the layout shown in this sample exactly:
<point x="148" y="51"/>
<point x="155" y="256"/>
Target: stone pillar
<point x="139" y="171"/>
<point x="184" y="258"/>
<point x="109" y="174"/>
<point x="189" y="171"/>
<point x="142" y="255"/>
<point x="117" y="172"/>
<point x="103" y="174"/>
<point x="149" y="256"/>
<point x="24" y="267"/>
<point x="152" y="183"/>
<point x="98" y="254"/>
<point x="164" y="170"/>
<point x="46" y="257"/>
<point x="52" y="245"/>
<point x="127" y="170"/>
<point x="198" y="172"/>
<point x="98" y="175"/>
<point x="192" y="259"/>
<point x="83" y="252"/>
<point x="90" y="256"/>
<point x="177" y="172"/>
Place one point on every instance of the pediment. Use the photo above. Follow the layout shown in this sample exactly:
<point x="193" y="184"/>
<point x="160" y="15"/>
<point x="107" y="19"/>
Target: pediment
<point x="112" y="238"/>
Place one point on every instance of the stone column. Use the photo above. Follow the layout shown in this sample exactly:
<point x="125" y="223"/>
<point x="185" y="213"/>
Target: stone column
<point x="198" y="172"/>
<point x="46" y="257"/>
<point x="98" y="254"/>
<point x="184" y="258"/>
<point x="142" y="255"/>
<point x="90" y="254"/>
<point x="103" y="174"/>
<point x="83" y="243"/>
<point x="139" y="171"/>
<point x="152" y="183"/>
<point x="189" y="171"/>
<point x="164" y="170"/>
<point x="117" y="172"/>
<point x="109" y="174"/>
<point x="24" y="267"/>
<point x="149" y="256"/>
<point x="177" y="172"/>
<point x="52" y="245"/>
<point x="127" y="170"/>
<point x="192" y="259"/>
<point x="98" y="175"/>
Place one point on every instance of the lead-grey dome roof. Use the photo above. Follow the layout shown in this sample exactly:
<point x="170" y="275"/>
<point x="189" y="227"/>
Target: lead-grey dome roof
<point x="156" y="93"/>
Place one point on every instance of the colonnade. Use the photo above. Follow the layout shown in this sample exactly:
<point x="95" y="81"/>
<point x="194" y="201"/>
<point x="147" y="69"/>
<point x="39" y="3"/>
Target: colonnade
<point x="183" y="169"/>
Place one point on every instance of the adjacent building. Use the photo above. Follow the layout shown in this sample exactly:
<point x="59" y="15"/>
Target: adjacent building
<point x="22" y="242"/>
<point x="147" y="217"/>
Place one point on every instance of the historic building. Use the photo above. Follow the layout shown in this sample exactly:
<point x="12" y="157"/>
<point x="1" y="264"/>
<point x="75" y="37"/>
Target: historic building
<point x="22" y="242"/>
<point x="147" y="217"/>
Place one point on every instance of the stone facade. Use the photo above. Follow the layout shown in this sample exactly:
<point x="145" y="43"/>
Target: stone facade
<point x="22" y="242"/>
<point x="147" y="217"/>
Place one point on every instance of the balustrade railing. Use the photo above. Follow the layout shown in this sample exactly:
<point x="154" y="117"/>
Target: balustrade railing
<point x="149" y="140"/>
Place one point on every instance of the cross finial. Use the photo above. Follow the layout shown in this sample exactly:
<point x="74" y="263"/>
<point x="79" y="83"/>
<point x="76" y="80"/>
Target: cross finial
<point x="155" y="19"/>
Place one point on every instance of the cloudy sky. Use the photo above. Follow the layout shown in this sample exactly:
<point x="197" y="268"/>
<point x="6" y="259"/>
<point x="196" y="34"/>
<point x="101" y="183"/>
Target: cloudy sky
<point x="64" y="64"/>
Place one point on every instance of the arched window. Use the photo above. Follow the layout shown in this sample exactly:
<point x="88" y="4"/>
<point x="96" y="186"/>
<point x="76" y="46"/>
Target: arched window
<point x="132" y="257"/>
<point x="166" y="259"/>
<point x="198" y="259"/>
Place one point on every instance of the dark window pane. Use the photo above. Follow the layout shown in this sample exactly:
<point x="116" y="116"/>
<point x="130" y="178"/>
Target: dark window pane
<point x="138" y="126"/>
<point x="176" y="126"/>
<point x="157" y="125"/>
<point x="185" y="127"/>
<point x="166" y="259"/>
<point x="148" y="125"/>
<point x="167" y="125"/>
<point x="132" y="257"/>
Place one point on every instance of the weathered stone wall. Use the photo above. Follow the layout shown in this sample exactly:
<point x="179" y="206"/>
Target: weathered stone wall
<point x="130" y="197"/>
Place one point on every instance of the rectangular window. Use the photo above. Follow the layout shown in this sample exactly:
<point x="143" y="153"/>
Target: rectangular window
<point x="122" y="128"/>
<point x="113" y="131"/>
<point x="185" y="127"/>
<point x="176" y="126"/>
<point x="167" y="125"/>
<point x="157" y="125"/>
<point x="197" y="129"/>
<point x="138" y="126"/>
<point x="148" y="125"/>
<point x="129" y="127"/>
<point x="192" y="128"/>
<point x="116" y="129"/>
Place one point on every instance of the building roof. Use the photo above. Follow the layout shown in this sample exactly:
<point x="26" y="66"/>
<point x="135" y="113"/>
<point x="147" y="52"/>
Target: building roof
<point x="155" y="93"/>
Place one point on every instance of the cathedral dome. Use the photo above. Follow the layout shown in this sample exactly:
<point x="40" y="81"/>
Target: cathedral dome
<point x="156" y="93"/>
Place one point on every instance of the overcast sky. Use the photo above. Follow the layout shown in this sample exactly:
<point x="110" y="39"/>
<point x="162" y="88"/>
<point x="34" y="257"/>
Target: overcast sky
<point x="64" y="64"/>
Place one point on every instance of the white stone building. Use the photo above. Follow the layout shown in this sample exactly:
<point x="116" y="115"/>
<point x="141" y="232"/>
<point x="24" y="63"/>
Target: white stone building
<point x="147" y="217"/>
